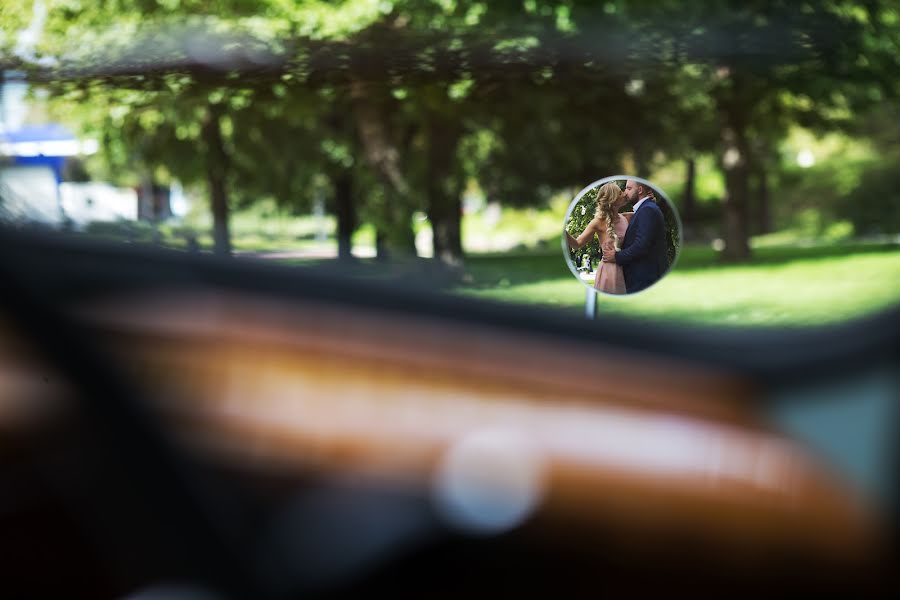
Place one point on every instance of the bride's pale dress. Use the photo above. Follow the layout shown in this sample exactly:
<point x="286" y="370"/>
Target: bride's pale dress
<point x="610" y="278"/>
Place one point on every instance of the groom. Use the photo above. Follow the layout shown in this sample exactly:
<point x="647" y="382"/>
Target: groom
<point x="643" y="254"/>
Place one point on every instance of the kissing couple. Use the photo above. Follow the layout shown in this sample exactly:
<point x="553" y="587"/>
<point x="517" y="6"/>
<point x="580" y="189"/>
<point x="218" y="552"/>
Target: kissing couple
<point x="633" y="243"/>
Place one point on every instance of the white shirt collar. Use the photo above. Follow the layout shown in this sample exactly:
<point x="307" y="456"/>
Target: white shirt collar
<point x="639" y="202"/>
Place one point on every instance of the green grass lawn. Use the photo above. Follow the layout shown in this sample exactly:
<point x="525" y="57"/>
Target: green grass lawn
<point x="781" y="286"/>
<point x="787" y="283"/>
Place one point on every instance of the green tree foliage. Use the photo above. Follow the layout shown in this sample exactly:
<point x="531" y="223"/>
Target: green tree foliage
<point x="873" y="207"/>
<point x="582" y="213"/>
<point x="761" y="61"/>
<point x="389" y="107"/>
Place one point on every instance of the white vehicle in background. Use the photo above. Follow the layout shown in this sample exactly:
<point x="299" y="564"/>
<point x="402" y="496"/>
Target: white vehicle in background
<point x="84" y="203"/>
<point x="29" y="195"/>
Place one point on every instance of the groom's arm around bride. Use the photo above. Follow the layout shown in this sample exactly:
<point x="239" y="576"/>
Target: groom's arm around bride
<point x="643" y="254"/>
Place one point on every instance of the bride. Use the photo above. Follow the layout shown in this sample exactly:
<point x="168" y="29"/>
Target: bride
<point x="609" y="226"/>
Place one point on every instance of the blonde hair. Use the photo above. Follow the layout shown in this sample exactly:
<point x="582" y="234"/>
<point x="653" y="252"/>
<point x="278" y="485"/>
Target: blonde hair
<point x="606" y="197"/>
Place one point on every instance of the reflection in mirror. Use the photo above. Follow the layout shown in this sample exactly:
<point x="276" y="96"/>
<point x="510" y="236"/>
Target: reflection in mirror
<point x="622" y="235"/>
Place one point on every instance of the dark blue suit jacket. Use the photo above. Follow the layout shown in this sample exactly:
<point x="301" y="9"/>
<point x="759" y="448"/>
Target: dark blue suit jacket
<point x="643" y="253"/>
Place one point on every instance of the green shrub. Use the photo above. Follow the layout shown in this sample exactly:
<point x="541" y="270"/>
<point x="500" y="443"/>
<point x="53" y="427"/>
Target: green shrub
<point x="126" y="231"/>
<point x="873" y="207"/>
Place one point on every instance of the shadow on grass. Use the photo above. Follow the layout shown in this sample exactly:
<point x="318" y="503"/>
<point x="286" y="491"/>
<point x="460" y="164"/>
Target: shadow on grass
<point x="702" y="257"/>
<point x="406" y="272"/>
<point x="489" y="271"/>
<point x="493" y="270"/>
<point x="498" y="270"/>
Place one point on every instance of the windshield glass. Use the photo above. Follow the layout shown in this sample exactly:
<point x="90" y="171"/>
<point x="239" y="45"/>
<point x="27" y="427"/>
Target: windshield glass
<point x="443" y="142"/>
<point x="432" y="296"/>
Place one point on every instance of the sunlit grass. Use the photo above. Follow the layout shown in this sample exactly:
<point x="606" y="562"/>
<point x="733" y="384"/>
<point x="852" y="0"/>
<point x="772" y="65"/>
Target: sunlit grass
<point x="782" y="286"/>
<point x="790" y="281"/>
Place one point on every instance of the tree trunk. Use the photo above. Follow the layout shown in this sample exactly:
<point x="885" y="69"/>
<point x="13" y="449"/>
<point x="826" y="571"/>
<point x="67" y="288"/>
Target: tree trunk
<point x="346" y="214"/>
<point x="381" y="250"/>
<point x="443" y="189"/>
<point x="405" y="236"/>
<point x="216" y="173"/>
<point x="735" y="163"/>
<point x="641" y="161"/>
<point x="764" y="215"/>
<point x="383" y="156"/>
<point x="689" y="206"/>
<point x="640" y="148"/>
<point x="737" y="246"/>
<point x="445" y="220"/>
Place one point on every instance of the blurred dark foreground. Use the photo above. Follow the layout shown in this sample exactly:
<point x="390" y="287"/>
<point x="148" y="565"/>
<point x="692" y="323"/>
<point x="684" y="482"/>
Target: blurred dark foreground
<point x="182" y="426"/>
